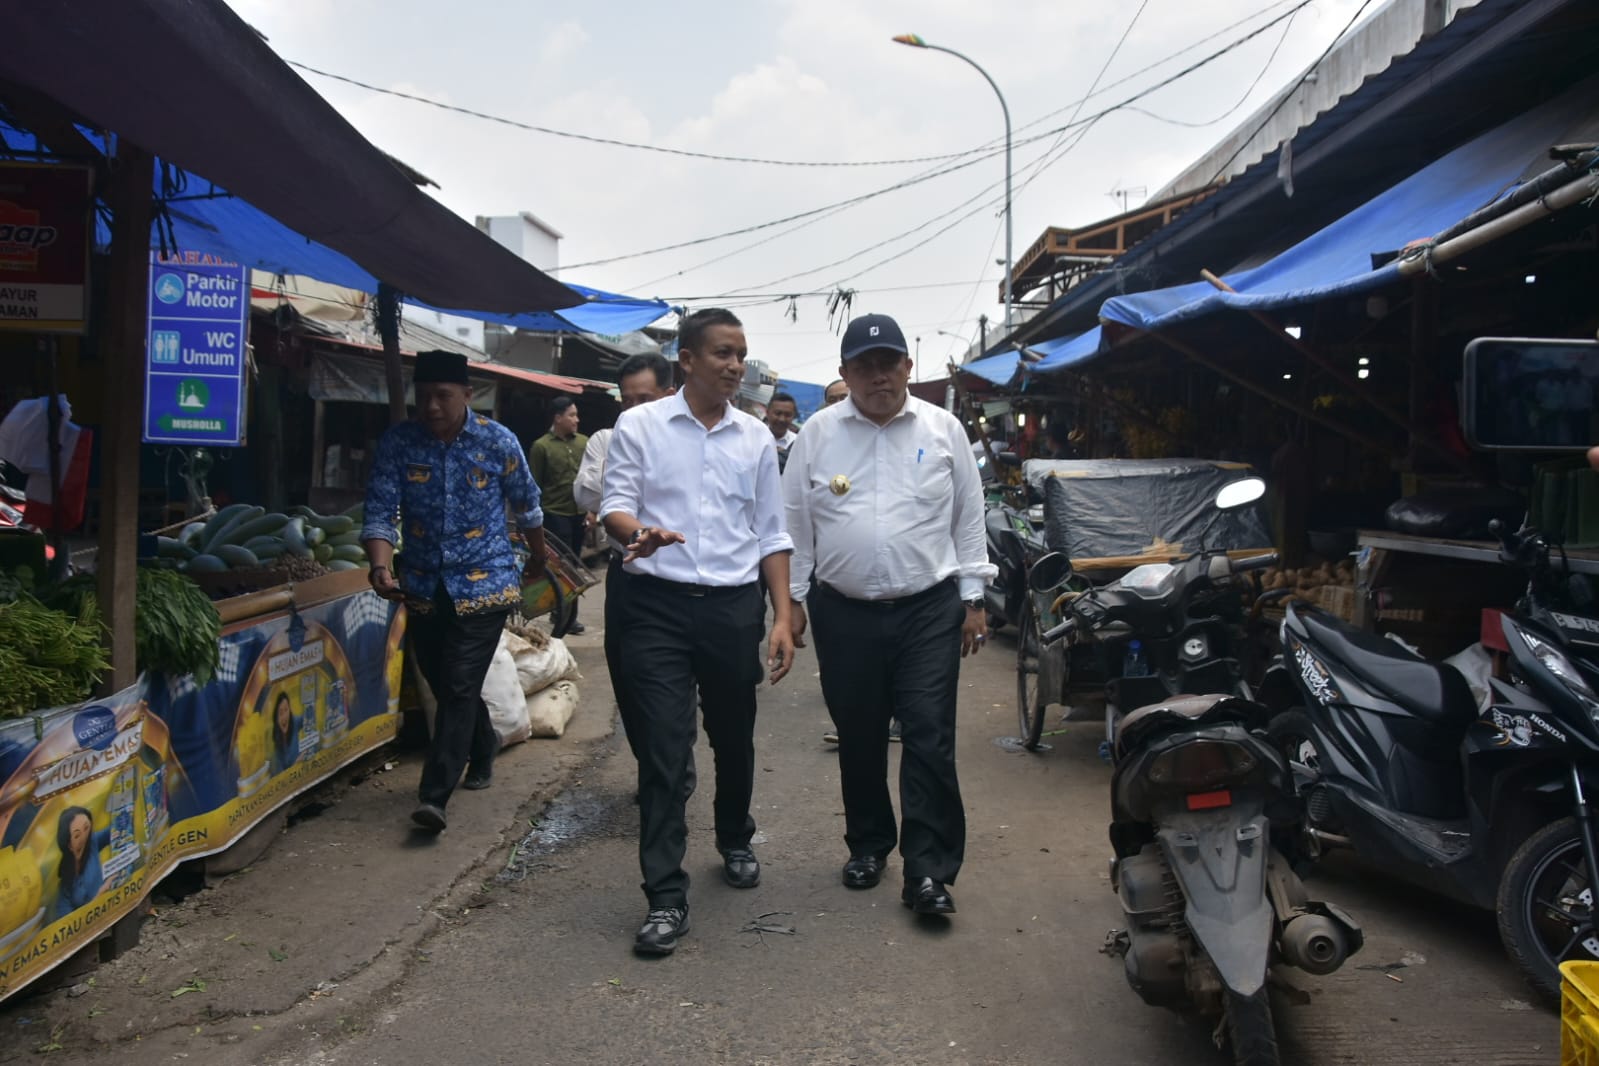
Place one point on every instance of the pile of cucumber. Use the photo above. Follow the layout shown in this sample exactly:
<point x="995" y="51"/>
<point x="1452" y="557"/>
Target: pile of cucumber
<point x="241" y="536"/>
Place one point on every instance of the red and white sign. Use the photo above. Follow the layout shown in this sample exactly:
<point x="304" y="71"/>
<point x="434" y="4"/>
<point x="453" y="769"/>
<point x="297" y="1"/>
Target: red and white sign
<point x="46" y="230"/>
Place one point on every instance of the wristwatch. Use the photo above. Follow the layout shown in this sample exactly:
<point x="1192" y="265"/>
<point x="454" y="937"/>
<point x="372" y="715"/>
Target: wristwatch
<point x="975" y="604"/>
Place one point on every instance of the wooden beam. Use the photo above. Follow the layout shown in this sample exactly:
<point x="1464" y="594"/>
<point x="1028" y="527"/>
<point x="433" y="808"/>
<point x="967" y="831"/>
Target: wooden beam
<point x="971" y="407"/>
<point x="1310" y="414"/>
<point x="129" y="193"/>
<point x="1418" y="435"/>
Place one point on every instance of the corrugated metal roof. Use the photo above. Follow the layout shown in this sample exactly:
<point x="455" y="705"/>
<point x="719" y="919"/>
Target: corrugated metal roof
<point x="1493" y="62"/>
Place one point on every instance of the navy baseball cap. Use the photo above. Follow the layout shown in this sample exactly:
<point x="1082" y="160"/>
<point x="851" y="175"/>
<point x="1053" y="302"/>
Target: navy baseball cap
<point x="872" y="331"/>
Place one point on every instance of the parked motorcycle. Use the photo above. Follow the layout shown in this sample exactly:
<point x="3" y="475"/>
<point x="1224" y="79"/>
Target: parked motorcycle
<point x="1396" y="760"/>
<point x="1015" y="532"/>
<point x="1175" y="627"/>
<point x="1211" y="904"/>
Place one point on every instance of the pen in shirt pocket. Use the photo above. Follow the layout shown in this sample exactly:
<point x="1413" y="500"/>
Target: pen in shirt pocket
<point x="919" y="455"/>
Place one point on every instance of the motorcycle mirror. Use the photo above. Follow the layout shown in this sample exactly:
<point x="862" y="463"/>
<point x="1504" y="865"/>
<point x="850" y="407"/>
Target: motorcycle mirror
<point x="1010" y="459"/>
<point x="1049" y="572"/>
<point x="1240" y="493"/>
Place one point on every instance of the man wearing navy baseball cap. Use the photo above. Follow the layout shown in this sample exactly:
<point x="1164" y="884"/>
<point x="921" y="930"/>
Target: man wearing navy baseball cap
<point x="885" y="507"/>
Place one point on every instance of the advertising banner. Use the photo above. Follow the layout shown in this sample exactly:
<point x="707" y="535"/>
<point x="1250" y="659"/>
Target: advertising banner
<point x="98" y="802"/>
<point x="195" y="351"/>
<point x="45" y="212"/>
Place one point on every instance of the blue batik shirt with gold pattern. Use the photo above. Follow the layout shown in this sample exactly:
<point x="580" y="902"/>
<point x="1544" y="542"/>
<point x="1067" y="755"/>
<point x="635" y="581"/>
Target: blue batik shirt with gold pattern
<point x="447" y="505"/>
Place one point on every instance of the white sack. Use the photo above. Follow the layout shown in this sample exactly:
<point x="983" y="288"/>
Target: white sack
<point x="539" y="668"/>
<point x="503" y="694"/>
<point x="550" y="709"/>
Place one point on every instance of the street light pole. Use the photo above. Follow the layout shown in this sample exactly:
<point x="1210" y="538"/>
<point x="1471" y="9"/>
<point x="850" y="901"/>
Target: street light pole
<point x="916" y="42"/>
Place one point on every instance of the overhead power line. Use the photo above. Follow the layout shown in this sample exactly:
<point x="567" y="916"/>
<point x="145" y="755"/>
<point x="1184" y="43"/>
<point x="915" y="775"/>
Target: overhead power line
<point x="618" y="143"/>
<point x="953" y="167"/>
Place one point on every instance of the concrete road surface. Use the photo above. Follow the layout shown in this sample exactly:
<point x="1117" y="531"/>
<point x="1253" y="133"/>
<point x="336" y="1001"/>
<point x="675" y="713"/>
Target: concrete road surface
<point x="531" y="960"/>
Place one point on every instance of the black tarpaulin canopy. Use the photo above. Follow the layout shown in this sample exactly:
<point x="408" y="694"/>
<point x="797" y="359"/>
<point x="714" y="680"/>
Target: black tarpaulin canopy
<point x="189" y="81"/>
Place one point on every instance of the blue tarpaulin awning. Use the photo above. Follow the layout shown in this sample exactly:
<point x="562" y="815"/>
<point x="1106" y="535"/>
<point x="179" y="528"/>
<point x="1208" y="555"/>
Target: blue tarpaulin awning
<point x="1337" y="260"/>
<point x="1064" y="352"/>
<point x="997" y="369"/>
<point x="229" y="227"/>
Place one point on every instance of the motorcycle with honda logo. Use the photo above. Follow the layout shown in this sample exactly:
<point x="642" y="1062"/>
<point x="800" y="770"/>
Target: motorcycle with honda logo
<point x="1204" y="820"/>
<point x="1485" y="802"/>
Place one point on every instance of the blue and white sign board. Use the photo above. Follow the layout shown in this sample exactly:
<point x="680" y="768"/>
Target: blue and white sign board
<point x="195" y="351"/>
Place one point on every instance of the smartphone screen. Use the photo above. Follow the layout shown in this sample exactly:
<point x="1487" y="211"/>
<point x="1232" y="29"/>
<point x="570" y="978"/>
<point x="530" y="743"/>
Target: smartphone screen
<point x="1526" y="394"/>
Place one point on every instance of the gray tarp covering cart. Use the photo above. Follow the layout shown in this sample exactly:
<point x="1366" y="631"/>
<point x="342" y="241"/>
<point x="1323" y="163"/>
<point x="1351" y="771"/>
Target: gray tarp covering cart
<point x="1141" y="510"/>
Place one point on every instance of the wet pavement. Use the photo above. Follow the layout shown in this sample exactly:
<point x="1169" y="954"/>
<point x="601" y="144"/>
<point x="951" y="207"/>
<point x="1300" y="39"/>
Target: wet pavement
<point x="529" y="959"/>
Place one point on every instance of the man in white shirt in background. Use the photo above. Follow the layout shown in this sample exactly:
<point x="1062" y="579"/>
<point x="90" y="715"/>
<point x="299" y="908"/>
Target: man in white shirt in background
<point x="836" y="392"/>
<point x="643" y="378"/>
<point x="781" y="413"/>
<point x="692" y="490"/>
<point x="885" y="507"/>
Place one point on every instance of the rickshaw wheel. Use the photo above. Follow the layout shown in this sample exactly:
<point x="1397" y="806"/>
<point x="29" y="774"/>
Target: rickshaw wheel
<point x="1030" y="701"/>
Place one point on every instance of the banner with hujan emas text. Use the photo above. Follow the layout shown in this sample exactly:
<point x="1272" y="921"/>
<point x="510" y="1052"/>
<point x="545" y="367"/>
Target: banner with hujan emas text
<point x="99" y="801"/>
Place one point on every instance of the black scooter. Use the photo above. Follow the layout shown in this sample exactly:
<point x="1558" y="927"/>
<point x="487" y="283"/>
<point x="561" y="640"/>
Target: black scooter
<point x="1015" y="533"/>
<point x="1198" y="802"/>
<point x="1396" y="761"/>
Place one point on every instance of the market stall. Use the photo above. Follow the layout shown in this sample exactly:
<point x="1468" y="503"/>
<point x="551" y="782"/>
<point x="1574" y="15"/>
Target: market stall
<point x="100" y="799"/>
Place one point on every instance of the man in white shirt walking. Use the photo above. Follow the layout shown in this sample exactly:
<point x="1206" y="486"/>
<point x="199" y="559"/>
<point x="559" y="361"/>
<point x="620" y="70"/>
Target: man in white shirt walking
<point x="885" y="507"/>
<point x="692" y="490"/>
<point x="643" y="378"/>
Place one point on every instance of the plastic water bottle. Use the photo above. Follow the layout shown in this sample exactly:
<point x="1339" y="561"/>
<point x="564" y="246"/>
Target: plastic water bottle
<point x="1135" y="665"/>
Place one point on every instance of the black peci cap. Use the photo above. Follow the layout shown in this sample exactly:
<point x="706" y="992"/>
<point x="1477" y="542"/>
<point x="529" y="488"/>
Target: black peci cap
<point x="440" y="366"/>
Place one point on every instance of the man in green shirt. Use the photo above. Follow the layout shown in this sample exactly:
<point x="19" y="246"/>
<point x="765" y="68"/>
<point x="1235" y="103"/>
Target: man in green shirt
<point x="554" y="460"/>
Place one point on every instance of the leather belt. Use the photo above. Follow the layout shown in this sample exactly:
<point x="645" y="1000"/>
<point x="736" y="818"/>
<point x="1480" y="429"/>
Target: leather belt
<point x="888" y="604"/>
<point x="683" y="588"/>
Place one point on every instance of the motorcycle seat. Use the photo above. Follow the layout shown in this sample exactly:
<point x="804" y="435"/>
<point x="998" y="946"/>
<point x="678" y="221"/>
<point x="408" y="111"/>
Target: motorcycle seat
<point x="1433" y="692"/>
<point x="1139" y="726"/>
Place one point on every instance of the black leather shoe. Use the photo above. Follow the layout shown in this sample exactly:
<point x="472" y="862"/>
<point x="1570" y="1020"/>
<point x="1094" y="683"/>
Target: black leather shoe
<point x="926" y="896"/>
<point x="429" y="816"/>
<point x="576" y="629"/>
<point x="658" y="935"/>
<point x="863" y="871"/>
<point x="740" y="868"/>
<point x="478" y="779"/>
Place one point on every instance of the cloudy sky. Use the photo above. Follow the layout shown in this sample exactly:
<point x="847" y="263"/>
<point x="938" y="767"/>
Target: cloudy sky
<point x="801" y="80"/>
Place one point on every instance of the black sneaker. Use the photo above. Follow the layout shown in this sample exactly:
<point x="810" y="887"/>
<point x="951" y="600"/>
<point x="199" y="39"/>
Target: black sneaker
<point x="740" y="868"/>
<point x="659" y="933"/>
<point x="576" y="629"/>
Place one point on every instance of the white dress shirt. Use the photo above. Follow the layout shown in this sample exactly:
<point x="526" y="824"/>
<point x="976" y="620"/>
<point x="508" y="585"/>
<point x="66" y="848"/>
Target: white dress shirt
<point x="787" y="441"/>
<point x="910" y="515"/>
<point x="718" y="487"/>
<point x="588" y="488"/>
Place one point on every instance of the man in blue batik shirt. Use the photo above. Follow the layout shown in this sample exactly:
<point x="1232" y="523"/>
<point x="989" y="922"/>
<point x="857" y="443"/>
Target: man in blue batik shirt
<point x="446" y="486"/>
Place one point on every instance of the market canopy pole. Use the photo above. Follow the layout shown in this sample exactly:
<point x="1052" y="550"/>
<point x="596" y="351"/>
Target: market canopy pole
<point x="128" y="192"/>
<point x="388" y="314"/>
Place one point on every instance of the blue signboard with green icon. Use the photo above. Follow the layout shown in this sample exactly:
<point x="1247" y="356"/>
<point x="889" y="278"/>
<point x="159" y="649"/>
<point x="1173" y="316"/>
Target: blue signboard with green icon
<point x="195" y="350"/>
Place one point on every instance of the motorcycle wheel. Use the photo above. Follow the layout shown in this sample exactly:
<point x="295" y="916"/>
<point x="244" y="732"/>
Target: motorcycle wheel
<point x="1250" y="1030"/>
<point x="1030" y="702"/>
<point x="1546" y="912"/>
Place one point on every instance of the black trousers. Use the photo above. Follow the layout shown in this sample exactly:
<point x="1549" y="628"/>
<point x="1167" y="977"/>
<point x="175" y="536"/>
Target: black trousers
<point x="676" y="641"/>
<point x="615" y="654"/>
<point x="454" y="652"/>
<point x="896" y="660"/>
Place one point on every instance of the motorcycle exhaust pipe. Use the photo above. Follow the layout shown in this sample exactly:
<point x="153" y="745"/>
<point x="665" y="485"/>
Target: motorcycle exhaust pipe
<point x="1314" y="943"/>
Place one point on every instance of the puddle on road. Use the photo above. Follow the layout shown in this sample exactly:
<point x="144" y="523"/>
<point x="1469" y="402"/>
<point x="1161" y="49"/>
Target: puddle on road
<point x="571" y="818"/>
